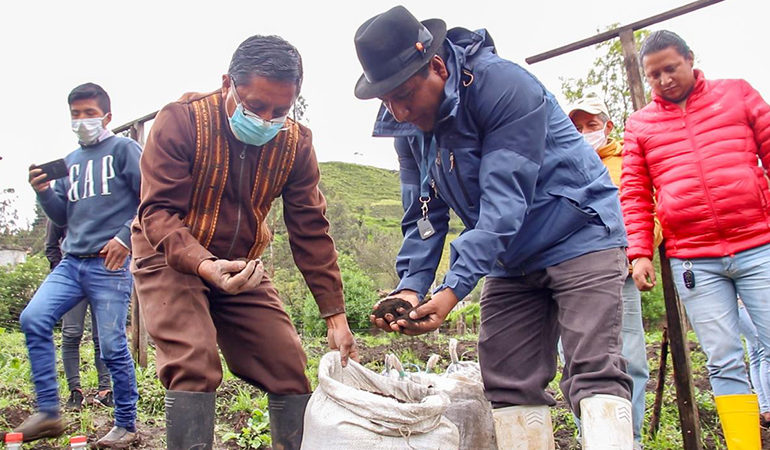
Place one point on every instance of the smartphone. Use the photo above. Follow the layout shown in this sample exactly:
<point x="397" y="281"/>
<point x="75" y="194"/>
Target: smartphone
<point x="55" y="169"/>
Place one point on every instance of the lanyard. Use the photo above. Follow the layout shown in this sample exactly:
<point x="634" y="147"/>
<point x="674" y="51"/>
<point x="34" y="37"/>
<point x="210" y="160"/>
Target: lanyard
<point x="426" y="158"/>
<point x="424" y="227"/>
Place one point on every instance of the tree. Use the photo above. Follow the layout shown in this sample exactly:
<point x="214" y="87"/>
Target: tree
<point x="607" y="78"/>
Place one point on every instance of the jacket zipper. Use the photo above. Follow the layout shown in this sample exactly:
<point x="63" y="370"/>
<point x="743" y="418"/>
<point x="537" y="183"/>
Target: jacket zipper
<point x="458" y="176"/>
<point x="453" y="201"/>
<point x="440" y="173"/>
<point x="703" y="179"/>
<point x="242" y="157"/>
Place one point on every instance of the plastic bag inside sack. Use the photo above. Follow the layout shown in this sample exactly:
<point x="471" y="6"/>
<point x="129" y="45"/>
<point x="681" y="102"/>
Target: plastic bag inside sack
<point x="469" y="409"/>
<point x="354" y="407"/>
<point x="462" y="370"/>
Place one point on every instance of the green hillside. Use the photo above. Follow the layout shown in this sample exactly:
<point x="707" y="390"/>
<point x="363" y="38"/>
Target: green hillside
<point x="369" y="193"/>
<point x="373" y="197"/>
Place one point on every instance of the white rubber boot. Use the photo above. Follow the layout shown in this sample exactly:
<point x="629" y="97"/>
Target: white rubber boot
<point x="605" y="423"/>
<point x="523" y="428"/>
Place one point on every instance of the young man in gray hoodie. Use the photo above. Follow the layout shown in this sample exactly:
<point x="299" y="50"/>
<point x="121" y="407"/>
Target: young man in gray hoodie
<point x="97" y="203"/>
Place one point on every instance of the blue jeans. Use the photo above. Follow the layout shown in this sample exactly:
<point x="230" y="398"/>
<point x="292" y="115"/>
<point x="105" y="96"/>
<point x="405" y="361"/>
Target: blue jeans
<point x="759" y="368"/>
<point x="108" y="292"/>
<point x="635" y="352"/>
<point x="713" y="311"/>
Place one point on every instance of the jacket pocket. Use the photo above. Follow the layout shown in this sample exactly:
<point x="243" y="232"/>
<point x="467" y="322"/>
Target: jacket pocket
<point x="144" y="262"/>
<point x="544" y="228"/>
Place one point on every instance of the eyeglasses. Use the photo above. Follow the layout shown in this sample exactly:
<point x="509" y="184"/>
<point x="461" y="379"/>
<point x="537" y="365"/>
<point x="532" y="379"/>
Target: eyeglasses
<point x="277" y="121"/>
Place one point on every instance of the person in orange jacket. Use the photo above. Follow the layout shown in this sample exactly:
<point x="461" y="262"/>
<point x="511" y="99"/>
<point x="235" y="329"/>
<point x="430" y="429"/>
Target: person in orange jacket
<point x="592" y="119"/>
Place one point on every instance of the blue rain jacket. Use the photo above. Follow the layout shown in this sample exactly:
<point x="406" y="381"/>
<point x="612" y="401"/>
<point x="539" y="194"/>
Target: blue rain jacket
<point x="528" y="188"/>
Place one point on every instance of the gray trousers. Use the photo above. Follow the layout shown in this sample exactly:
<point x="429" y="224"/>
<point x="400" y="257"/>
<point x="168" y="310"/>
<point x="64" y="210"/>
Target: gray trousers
<point x="72" y="327"/>
<point x="522" y="317"/>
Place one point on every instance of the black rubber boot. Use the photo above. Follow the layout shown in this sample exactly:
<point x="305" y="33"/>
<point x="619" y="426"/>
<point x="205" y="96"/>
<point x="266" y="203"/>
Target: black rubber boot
<point x="190" y="420"/>
<point x="287" y="414"/>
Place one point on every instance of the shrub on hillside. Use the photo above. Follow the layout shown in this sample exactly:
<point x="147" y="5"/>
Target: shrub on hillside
<point x="360" y="295"/>
<point x="17" y="286"/>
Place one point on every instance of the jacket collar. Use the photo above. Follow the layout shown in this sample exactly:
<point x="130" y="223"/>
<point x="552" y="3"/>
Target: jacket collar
<point x="461" y="44"/>
<point x="697" y="90"/>
<point x="612" y="148"/>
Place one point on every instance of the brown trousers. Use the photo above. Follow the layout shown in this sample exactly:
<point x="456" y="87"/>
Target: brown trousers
<point x="521" y="319"/>
<point x="187" y="319"/>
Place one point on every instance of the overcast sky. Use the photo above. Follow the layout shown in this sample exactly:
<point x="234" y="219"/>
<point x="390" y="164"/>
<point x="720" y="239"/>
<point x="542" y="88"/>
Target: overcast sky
<point x="147" y="53"/>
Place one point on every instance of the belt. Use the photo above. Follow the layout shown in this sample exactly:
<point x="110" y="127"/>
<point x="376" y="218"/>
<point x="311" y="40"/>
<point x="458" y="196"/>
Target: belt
<point x="89" y="255"/>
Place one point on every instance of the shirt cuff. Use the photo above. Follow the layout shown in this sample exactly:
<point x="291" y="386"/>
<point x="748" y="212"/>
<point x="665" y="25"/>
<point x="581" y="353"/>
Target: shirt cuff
<point x="122" y="243"/>
<point x="45" y="195"/>
<point x="189" y="258"/>
<point x="330" y="304"/>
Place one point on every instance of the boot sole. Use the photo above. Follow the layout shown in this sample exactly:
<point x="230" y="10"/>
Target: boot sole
<point x="44" y="434"/>
<point x="118" y="446"/>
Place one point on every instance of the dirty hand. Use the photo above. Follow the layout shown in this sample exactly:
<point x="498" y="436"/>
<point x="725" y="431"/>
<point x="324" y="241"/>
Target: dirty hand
<point x="232" y="277"/>
<point x="385" y="323"/>
<point x="644" y="274"/>
<point x="114" y="254"/>
<point x="38" y="179"/>
<point x="340" y="338"/>
<point x="435" y="309"/>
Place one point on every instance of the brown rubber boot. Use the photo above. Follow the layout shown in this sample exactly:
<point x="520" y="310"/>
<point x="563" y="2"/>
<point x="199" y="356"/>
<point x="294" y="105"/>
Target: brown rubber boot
<point x="40" y="425"/>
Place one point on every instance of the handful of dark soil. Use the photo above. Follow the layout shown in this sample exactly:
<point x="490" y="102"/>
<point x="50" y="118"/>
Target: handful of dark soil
<point x="392" y="305"/>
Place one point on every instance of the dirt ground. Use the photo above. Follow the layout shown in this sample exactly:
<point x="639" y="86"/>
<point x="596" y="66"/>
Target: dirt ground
<point x="151" y="435"/>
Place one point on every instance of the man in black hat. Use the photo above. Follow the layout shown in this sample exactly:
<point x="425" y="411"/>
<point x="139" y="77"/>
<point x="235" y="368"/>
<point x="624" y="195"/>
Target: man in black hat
<point x="480" y="135"/>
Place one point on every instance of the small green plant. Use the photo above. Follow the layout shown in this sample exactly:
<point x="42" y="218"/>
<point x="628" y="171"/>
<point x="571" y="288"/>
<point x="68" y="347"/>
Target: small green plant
<point x="256" y="433"/>
<point x="471" y="312"/>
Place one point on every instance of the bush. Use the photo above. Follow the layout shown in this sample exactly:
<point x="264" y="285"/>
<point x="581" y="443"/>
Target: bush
<point x="17" y="286"/>
<point x="360" y="295"/>
<point x="471" y="311"/>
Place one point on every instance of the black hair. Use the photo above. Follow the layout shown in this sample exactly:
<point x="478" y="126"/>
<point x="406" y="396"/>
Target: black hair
<point x="266" y="56"/>
<point x="91" y="90"/>
<point x="663" y="39"/>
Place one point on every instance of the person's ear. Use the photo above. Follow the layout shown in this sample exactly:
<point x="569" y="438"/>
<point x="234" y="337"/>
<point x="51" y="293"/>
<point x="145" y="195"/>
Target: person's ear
<point x="608" y="127"/>
<point x="225" y="84"/>
<point x="107" y="119"/>
<point x="437" y="65"/>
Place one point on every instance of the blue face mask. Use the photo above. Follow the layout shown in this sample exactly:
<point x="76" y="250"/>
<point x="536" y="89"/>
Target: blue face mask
<point x="251" y="129"/>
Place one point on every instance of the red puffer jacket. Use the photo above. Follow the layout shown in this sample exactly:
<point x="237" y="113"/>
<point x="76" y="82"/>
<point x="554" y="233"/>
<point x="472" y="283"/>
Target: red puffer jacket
<point x="712" y="196"/>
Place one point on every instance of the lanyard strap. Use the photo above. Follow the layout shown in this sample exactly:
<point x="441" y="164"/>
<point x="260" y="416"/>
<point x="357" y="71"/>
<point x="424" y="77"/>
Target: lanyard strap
<point x="426" y="158"/>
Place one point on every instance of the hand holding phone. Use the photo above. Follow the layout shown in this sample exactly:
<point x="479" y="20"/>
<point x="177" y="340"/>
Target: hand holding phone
<point x="55" y="169"/>
<point x="40" y="176"/>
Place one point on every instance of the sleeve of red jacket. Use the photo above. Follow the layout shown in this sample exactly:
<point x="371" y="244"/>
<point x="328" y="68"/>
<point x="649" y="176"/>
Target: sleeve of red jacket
<point x="636" y="197"/>
<point x="758" y="113"/>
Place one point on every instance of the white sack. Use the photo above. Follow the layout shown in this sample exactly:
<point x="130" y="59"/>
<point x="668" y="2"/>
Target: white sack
<point x="354" y="407"/>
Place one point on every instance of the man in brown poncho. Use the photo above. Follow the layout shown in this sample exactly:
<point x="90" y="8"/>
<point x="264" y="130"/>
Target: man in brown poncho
<point x="212" y="166"/>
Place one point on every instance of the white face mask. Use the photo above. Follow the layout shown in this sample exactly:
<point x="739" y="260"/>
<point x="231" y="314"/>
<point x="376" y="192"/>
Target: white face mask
<point x="88" y="130"/>
<point x="596" y="139"/>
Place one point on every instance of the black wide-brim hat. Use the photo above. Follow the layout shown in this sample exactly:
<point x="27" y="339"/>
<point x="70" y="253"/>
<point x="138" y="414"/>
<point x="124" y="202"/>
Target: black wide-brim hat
<point x="392" y="47"/>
